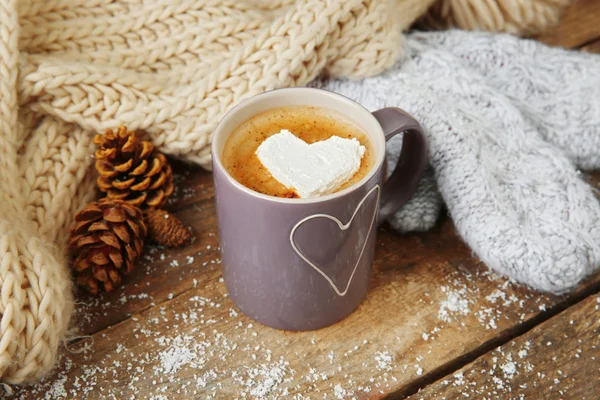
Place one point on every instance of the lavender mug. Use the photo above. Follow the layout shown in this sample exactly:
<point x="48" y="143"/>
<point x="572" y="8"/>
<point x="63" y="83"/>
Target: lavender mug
<point x="302" y="264"/>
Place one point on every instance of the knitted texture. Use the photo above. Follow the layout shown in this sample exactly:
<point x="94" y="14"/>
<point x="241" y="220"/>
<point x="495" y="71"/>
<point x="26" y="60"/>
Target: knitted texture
<point x="71" y="68"/>
<point x="513" y="16"/>
<point x="508" y="122"/>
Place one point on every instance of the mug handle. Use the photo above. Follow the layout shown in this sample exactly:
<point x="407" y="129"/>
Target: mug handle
<point x="401" y="185"/>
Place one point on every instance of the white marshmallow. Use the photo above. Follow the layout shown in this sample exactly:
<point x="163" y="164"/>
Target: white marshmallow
<point x="311" y="170"/>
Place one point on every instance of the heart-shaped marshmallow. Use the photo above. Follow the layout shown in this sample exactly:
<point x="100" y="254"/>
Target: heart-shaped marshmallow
<point x="311" y="170"/>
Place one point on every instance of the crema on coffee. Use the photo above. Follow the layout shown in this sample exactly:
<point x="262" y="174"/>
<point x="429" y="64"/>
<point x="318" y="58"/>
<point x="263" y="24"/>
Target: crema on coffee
<point x="311" y="124"/>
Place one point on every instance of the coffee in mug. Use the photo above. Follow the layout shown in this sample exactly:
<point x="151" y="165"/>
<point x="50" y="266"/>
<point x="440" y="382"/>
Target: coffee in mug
<point x="310" y="124"/>
<point x="304" y="263"/>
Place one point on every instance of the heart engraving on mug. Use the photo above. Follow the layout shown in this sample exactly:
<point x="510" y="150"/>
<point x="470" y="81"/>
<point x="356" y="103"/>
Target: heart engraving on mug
<point x="342" y="227"/>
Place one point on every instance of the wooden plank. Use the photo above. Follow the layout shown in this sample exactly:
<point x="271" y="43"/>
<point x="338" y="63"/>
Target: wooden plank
<point x="198" y="345"/>
<point x="593" y="47"/>
<point x="593" y="178"/>
<point x="430" y="304"/>
<point x="192" y="185"/>
<point x="579" y="25"/>
<point x="557" y="359"/>
<point x="173" y="332"/>
<point x="160" y="274"/>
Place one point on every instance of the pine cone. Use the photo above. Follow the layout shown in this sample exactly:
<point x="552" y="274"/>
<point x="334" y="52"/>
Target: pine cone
<point x="107" y="238"/>
<point x="165" y="228"/>
<point x="131" y="169"/>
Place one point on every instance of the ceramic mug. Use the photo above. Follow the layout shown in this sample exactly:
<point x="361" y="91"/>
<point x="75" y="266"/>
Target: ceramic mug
<point x="302" y="264"/>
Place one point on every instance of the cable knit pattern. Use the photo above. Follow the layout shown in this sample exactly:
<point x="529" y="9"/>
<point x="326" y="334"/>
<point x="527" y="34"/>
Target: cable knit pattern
<point x="508" y="120"/>
<point x="515" y="16"/>
<point x="174" y="70"/>
<point x="70" y="68"/>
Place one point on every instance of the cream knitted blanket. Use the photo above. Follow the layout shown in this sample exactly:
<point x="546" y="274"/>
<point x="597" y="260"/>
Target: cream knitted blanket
<point x="69" y="68"/>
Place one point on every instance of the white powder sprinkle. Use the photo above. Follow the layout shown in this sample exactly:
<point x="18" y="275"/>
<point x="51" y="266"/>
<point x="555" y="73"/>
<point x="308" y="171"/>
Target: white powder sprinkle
<point x="384" y="360"/>
<point x="455" y="304"/>
<point x="180" y="361"/>
<point x="57" y="390"/>
<point x="182" y="351"/>
<point x="459" y="379"/>
<point x="509" y="368"/>
<point x="522" y="353"/>
<point x="265" y="378"/>
<point x="339" y="392"/>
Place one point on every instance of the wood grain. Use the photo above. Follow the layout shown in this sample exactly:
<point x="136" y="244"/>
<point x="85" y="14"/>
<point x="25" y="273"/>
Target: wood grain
<point x="430" y="305"/>
<point x="579" y="25"/>
<point x="592" y="47"/>
<point x="169" y="272"/>
<point x="559" y="359"/>
<point x="192" y="185"/>
<point x="432" y="308"/>
<point x="160" y="274"/>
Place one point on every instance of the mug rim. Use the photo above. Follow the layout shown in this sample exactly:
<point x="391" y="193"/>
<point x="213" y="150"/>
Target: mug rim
<point x="216" y="158"/>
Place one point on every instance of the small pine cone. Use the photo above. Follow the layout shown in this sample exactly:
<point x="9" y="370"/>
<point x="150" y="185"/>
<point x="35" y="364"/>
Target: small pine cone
<point x="107" y="238"/>
<point x="131" y="169"/>
<point x="165" y="228"/>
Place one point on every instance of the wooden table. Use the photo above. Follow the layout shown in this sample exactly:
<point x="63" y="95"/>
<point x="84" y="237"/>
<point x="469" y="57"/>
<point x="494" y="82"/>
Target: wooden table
<point x="436" y="323"/>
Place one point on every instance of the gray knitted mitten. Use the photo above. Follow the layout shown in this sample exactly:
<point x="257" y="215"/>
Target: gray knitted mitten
<point x="508" y="120"/>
